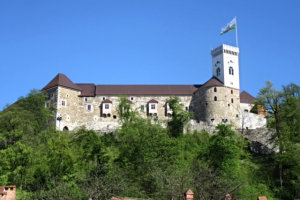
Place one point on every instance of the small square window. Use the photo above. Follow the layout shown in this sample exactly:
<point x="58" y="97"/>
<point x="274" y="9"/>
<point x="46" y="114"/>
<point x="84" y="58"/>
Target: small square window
<point x="63" y="103"/>
<point x="152" y="106"/>
<point x="106" y="106"/>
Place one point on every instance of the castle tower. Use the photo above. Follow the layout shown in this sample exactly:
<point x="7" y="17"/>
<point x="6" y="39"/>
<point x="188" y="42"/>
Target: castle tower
<point x="225" y="65"/>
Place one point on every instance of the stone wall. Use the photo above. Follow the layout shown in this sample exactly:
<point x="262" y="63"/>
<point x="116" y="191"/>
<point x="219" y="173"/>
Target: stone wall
<point x="87" y="111"/>
<point x="216" y="105"/>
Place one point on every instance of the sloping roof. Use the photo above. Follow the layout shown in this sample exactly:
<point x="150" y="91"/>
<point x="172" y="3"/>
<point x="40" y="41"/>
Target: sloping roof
<point x="146" y="89"/>
<point x="87" y="90"/>
<point x="152" y="101"/>
<point x="212" y="82"/>
<point x="107" y="101"/>
<point x="61" y="80"/>
<point x="245" y="97"/>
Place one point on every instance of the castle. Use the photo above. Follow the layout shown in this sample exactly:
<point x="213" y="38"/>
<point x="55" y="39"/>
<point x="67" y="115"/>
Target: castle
<point x="216" y="101"/>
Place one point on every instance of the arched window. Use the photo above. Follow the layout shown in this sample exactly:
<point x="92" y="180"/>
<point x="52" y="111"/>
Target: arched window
<point x="218" y="71"/>
<point x="65" y="128"/>
<point x="216" y="99"/>
<point x="215" y="89"/>
<point x="231" y="70"/>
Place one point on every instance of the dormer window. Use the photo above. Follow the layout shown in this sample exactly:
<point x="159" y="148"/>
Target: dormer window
<point x="230" y="70"/>
<point x="152" y="107"/>
<point x="106" y="108"/>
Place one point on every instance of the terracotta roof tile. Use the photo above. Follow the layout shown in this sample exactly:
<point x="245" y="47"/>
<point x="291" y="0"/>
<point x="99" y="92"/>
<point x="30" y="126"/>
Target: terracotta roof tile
<point x="152" y="101"/>
<point x="212" y="82"/>
<point x="245" y="97"/>
<point x="107" y="101"/>
<point x="61" y="80"/>
<point x="87" y="90"/>
<point x="146" y="89"/>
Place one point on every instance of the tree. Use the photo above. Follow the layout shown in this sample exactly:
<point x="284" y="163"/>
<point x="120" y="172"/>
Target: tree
<point x="179" y="117"/>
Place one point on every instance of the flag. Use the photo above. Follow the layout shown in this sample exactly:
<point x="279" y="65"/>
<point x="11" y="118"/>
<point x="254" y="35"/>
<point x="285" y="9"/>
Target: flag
<point x="230" y="26"/>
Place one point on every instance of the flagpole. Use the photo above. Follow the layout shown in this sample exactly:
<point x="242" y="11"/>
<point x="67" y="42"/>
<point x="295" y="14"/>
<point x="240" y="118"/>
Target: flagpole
<point x="236" y="33"/>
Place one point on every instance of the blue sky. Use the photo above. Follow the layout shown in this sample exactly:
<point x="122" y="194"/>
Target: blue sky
<point x="143" y="42"/>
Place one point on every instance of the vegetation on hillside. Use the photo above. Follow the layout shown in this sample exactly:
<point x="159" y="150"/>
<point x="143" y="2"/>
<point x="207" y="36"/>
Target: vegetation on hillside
<point x="145" y="160"/>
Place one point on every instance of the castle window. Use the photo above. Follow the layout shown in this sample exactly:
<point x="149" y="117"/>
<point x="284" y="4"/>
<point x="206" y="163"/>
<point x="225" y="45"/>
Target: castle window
<point x="67" y="96"/>
<point x="228" y="105"/>
<point x="115" y="116"/>
<point x="237" y="115"/>
<point x="103" y="98"/>
<point x="131" y="98"/>
<point x="86" y="99"/>
<point x="231" y="91"/>
<point x="215" y="89"/>
<point x="218" y="71"/>
<point x="215" y="98"/>
<point x="63" y="103"/>
<point x="186" y="108"/>
<point x="89" y="107"/>
<point x="106" y="106"/>
<point x="230" y="70"/>
<point x="231" y="100"/>
<point x="152" y="106"/>
<point x="246" y="110"/>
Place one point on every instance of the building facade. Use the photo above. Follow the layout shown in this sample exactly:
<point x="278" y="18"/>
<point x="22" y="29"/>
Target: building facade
<point x="216" y="101"/>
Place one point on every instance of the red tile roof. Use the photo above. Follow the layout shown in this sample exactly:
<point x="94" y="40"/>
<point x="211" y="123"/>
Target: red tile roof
<point x="152" y="101"/>
<point x="146" y="89"/>
<point x="87" y="90"/>
<point x="61" y="80"/>
<point x="107" y="101"/>
<point x="212" y="82"/>
<point x="245" y="97"/>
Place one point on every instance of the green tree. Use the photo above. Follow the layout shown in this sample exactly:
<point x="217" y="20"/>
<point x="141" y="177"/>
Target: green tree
<point x="179" y="117"/>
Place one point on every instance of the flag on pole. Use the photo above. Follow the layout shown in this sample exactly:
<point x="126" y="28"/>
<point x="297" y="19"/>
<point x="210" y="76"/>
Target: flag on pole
<point x="230" y="26"/>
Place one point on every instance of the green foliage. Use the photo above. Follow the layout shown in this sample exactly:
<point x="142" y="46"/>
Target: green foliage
<point x="179" y="117"/>
<point x="144" y="159"/>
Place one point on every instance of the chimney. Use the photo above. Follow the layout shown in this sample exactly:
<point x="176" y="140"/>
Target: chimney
<point x="10" y="192"/>
<point x="189" y="195"/>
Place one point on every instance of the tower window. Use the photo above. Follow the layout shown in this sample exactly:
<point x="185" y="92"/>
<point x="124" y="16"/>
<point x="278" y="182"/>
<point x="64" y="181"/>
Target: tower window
<point x="215" y="98"/>
<point x="231" y="91"/>
<point x="231" y="100"/>
<point x="218" y="71"/>
<point x="230" y="70"/>
<point x="215" y="89"/>
<point x="63" y="103"/>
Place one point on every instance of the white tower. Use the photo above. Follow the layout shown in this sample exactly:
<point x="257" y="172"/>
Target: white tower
<point x="225" y="65"/>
